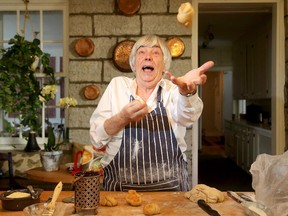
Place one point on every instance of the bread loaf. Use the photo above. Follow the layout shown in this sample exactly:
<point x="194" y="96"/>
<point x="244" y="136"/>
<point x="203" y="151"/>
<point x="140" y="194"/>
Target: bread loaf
<point x="151" y="209"/>
<point x="133" y="198"/>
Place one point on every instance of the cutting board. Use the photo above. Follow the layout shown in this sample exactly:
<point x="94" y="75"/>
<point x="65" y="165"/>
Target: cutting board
<point x="171" y="203"/>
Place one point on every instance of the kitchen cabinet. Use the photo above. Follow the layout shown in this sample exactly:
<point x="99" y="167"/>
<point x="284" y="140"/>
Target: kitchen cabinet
<point x="239" y="69"/>
<point x="245" y="145"/>
<point x="243" y="142"/>
<point x="259" y="65"/>
<point x="263" y="142"/>
<point x="252" y="65"/>
<point x="229" y="140"/>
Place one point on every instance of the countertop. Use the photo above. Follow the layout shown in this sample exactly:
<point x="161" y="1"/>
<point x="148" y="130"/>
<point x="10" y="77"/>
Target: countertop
<point x="171" y="203"/>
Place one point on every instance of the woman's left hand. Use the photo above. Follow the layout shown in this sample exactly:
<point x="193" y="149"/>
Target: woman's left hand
<point x="189" y="82"/>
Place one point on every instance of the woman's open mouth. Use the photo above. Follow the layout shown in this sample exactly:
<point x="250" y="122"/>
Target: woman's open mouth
<point x="147" y="68"/>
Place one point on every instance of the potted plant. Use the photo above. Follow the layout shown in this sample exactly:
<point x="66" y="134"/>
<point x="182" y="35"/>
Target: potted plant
<point x="52" y="153"/>
<point x="20" y="87"/>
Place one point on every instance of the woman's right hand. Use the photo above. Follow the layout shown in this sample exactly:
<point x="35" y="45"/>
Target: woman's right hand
<point x="134" y="111"/>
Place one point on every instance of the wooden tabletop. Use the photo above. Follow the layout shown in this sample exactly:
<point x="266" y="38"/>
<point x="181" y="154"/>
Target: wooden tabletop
<point x="39" y="174"/>
<point x="171" y="203"/>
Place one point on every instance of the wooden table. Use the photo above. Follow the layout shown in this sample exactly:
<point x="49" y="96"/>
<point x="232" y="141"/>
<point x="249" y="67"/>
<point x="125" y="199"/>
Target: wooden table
<point x="171" y="203"/>
<point x="39" y="174"/>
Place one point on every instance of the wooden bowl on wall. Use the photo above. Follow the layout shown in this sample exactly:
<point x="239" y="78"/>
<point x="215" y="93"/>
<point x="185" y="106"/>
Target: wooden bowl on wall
<point x="91" y="92"/>
<point x="84" y="47"/>
<point x="176" y="46"/>
<point x="121" y="55"/>
<point x="129" y="7"/>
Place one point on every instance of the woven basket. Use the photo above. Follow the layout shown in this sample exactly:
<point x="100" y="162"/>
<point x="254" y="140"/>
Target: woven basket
<point x="87" y="191"/>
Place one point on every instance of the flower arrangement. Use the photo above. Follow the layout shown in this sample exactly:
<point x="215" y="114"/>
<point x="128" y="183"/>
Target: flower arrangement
<point x="49" y="92"/>
<point x="20" y="87"/>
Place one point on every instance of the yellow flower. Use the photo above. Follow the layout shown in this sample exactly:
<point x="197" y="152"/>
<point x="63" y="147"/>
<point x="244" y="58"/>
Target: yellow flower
<point x="48" y="92"/>
<point x="35" y="63"/>
<point x="67" y="102"/>
<point x="42" y="99"/>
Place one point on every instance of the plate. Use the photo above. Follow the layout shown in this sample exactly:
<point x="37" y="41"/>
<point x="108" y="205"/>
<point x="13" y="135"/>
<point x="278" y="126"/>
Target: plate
<point x="84" y="47"/>
<point x="129" y="7"/>
<point x="176" y="46"/>
<point x="91" y="92"/>
<point x="121" y="55"/>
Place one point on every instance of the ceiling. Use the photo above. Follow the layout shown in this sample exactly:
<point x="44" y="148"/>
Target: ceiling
<point x="229" y="21"/>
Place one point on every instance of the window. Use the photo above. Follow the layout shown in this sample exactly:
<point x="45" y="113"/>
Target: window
<point x="48" y="20"/>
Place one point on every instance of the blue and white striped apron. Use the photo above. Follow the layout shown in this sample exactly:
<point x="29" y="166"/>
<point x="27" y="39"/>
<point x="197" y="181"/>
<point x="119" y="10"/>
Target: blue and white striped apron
<point x="149" y="158"/>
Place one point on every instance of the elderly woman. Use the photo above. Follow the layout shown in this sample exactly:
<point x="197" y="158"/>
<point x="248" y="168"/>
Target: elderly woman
<point x="142" y="121"/>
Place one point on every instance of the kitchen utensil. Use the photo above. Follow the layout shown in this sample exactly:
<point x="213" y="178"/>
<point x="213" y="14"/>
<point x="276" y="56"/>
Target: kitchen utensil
<point x="77" y="166"/>
<point x="203" y="205"/>
<point x="121" y="55"/>
<point x="84" y="47"/>
<point x="247" y="197"/>
<point x="251" y="208"/>
<point x="50" y="208"/>
<point x="18" y="204"/>
<point x="33" y="193"/>
<point x="129" y="7"/>
<point x="87" y="191"/>
<point x="176" y="46"/>
<point x="91" y="92"/>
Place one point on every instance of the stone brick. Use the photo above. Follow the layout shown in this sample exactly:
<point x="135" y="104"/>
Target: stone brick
<point x="79" y="117"/>
<point x="188" y="47"/>
<point x="76" y="91"/>
<point x="80" y="136"/>
<point x="163" y="25"/>
<point x="174" y="5"/>
<point x="103" y="48"/>
<point x="179" y="67"/>
<point x="111" y="71"/>
<point x="116" y="25"/>
<point x="91" y="6"/>
<point x="85" y="71"/>
<point x="80" y="25"/>
<point x="152" y="6"/>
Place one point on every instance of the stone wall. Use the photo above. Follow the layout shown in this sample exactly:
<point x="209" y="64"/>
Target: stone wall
<point x="101" y="21"/>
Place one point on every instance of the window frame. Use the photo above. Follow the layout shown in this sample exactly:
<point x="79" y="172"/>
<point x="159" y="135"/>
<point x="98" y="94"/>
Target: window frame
<point x="19" y="143"/>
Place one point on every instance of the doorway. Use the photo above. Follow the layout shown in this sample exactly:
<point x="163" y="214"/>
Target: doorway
<point x="214" y="7"/>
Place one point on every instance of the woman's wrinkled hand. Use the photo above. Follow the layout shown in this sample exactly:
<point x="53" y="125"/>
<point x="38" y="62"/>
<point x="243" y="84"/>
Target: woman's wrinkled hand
<point x="134" y="111"/>
<point x="189" y="82"/>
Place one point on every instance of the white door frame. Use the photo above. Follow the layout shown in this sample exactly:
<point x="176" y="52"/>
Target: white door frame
<point x="277" y="82"/>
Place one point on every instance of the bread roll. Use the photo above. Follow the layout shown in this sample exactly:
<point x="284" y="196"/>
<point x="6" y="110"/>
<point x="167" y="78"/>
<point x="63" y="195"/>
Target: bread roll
<point x="151" y="209"/>
<point x="108" y="201"/>
<point x="133" y="198"/>
<point x="185" y="14"/>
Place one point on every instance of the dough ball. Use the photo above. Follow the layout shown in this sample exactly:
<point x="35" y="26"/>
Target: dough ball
<point x="133" y="198"/>
<point x="108" y="201"/>
<point x="185" y="14"/>
<point x="151" y="209"/>
<point x="208" y="194"/>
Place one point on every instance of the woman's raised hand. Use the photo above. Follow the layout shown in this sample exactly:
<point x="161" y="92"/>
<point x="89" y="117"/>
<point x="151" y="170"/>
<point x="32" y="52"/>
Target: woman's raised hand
<point x="189" y="82"/>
